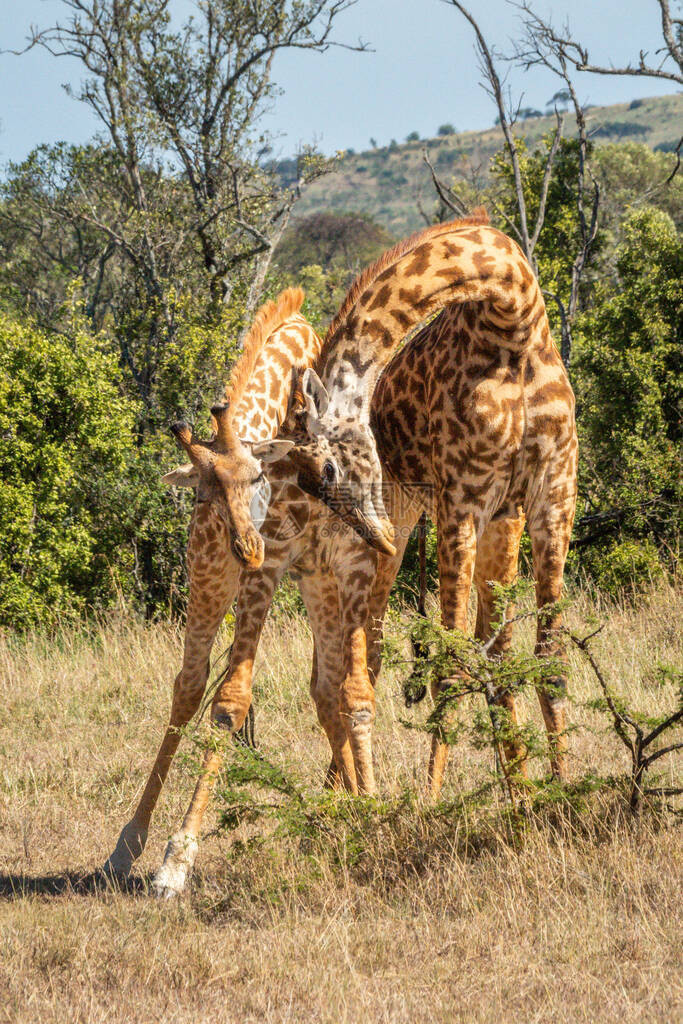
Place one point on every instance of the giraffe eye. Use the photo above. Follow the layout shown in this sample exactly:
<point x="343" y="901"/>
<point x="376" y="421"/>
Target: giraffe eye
<point x="329" y="472"/>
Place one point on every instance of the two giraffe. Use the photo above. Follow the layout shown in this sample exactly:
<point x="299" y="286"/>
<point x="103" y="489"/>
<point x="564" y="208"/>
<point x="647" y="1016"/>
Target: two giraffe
<point x="477" y="405"/>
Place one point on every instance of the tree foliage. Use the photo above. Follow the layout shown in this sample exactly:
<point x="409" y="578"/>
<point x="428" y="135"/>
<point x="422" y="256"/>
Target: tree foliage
<point x="66" y="434"/>
<point x="323" y="253"/>
<point x="628" y="375"/>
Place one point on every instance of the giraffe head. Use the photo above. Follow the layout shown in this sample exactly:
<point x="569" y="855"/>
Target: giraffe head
<point x="337" y="461"/>
<point x="229" y="473"/>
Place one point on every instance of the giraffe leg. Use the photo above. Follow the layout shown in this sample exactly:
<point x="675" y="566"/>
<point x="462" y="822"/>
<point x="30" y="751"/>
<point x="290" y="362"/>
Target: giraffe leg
<point x="550" y="531"/>
<point x="355" y="572"/>
<point x="456" y="550"/>
<point x="403" y="521"/>
<point x="497" y="557"/>
<point x="230" y="707"/>
<point x="326" y="686"/>
<point x="333" y="776"/>
<point x="321" y="598"/>
<point x="213" y="584"/>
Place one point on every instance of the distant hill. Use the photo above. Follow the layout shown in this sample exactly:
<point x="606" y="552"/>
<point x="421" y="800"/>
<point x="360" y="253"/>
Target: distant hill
<point x="384" y="182"/>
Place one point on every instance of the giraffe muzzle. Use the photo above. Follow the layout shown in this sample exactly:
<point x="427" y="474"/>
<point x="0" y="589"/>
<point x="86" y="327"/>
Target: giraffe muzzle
<point x="249" y="550"/>
<point x="377" y="532"/>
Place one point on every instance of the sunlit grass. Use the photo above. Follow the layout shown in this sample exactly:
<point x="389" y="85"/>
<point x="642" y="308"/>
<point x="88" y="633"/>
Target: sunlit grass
<point x="571" y="923"/>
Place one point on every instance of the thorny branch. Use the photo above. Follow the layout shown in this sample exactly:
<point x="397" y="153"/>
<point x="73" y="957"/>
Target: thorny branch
<point x="623" y="721"/>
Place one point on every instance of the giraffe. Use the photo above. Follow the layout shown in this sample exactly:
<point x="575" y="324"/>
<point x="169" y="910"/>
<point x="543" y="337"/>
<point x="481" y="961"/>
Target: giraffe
<point x="334" y="570"/>
<point x="479" y="407"/>
<point x="232" y="499"/>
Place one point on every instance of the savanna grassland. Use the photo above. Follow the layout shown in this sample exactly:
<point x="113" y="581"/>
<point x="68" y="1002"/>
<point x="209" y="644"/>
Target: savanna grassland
<point x="406" y="913"/>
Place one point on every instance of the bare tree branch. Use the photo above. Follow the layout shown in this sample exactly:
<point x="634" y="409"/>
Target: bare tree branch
<point x="446" y="194"/>
<point x="577" y="55"/>
<point x="495" y="89"/>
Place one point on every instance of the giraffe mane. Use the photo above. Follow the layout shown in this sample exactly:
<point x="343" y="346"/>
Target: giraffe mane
<point x="272" y="315"/>
<point x="368" y="276"/>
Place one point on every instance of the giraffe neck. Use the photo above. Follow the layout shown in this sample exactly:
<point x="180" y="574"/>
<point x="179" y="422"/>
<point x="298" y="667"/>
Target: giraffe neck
<point x="261" y="411"/>
<point x="461" y="263"/>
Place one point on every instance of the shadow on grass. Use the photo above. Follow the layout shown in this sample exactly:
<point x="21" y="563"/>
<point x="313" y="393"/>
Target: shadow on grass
<point x="72" y="883"/>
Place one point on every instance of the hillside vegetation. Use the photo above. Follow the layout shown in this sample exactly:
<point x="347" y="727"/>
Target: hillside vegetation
<point x="384" y="182"/>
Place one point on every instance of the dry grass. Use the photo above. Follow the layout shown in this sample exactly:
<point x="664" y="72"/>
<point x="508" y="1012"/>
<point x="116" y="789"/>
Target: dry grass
<point x="579" y="922"/>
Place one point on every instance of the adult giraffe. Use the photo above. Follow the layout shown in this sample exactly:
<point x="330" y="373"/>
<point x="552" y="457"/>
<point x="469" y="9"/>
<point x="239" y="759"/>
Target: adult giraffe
<point x="336" y="573"/>
<point x="478" y="405"/>
<point x="492" y="433"/>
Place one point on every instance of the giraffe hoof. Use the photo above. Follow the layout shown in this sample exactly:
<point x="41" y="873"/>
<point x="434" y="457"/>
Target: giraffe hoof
<point x="223" y="719"/>
<point x="161" y="891"/>
<point x="130" y="845"/>
<point x="171" y="877"/>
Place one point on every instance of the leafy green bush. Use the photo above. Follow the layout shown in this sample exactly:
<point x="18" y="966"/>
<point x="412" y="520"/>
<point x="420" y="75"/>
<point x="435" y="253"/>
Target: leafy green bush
<point x="66" y="432"/>
<point x="85" y="515"/>
<point x="628" y="377"/>
<point x="623" y="568"/>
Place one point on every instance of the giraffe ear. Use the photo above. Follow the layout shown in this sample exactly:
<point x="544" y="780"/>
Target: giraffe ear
<point x="183" y="476"/>
<point x="315" y="395"/>
<point x="271" y="451"/>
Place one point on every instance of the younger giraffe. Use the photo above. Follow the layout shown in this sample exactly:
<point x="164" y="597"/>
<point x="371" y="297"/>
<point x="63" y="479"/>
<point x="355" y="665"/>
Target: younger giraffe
<point x="231" y="465"/>
<point x="228" y="476"/>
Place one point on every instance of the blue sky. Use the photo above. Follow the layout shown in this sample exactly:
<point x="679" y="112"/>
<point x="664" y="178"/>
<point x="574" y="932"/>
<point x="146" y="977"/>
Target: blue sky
<point x="423" y="72"/>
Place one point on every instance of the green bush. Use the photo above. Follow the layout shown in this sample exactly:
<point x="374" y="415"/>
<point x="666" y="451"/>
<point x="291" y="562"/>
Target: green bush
<point x="86" y="518"/>
<point x="66" y="434"/>
<point x="628" y="378"/>
<point x="623" y="568"/>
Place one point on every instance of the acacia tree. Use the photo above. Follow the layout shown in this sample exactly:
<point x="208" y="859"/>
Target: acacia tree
<point x="184" y="198"/>
<point x="542" y="45"/>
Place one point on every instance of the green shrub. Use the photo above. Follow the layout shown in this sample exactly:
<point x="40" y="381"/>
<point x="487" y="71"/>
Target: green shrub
<point x="624" y="567"/>
<point x="67" y="433"/>
<point x="628" y="378"/>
